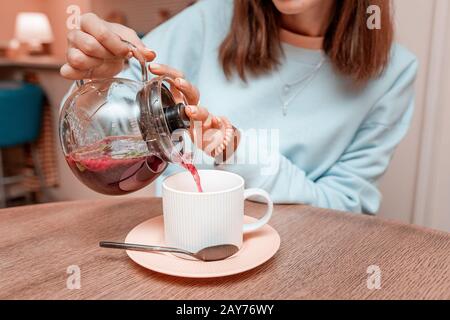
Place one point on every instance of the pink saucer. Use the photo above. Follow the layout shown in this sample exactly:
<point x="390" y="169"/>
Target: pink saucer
<point x="258" y="247"/>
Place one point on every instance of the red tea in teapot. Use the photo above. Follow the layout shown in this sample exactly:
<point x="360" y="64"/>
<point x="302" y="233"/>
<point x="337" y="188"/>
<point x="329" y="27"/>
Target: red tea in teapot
<point x="119" y="165"/>
<point x="116" y="165"/>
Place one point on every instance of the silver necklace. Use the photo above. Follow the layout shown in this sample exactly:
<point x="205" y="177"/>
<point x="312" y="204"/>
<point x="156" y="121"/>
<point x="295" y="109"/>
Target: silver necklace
<point x="305" y="81"/>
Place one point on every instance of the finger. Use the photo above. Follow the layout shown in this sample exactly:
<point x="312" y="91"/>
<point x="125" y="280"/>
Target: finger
<point x="68" y="72"/>
<point x="130" y="35"/>
<point x="149" y="54"/>
<point x="216" y="123"/>
<point x="80" y="61"/>
<point x="178" y="96"/>
<point x="88" y="45"/>
<point x="212" y="139"/>
<point x="108" y="69"/>
<point x="164" y="70"/>
<point x="221" y="123"/>
<point x="125" y="33"/>
<point x="196" y="113"/>
<point x="189" y="91"/>
<point x="100" y="30"/>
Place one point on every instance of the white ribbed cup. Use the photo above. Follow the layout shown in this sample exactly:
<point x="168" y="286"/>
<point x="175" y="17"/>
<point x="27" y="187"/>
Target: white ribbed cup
<point x="193" y="220"/>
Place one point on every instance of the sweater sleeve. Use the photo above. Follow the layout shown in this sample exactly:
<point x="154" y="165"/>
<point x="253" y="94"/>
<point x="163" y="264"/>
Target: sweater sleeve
<point x="350" y="184"/>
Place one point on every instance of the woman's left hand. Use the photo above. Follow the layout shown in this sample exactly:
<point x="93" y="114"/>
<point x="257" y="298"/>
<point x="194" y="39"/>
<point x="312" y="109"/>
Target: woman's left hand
<point x="210" y="133"/>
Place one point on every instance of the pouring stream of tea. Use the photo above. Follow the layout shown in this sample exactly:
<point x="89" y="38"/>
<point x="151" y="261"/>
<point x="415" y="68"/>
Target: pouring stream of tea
<point x="194" y="172"/>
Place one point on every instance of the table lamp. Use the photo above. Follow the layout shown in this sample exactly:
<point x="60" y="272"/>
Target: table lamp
<point x="33" y="29"/>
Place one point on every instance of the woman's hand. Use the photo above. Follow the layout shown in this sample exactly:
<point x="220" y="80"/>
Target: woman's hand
<point x="212" y="134"/>
<point x="96" y="50"/>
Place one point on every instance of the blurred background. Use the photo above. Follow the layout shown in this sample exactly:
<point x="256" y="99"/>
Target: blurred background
<point x="416" y="188"/>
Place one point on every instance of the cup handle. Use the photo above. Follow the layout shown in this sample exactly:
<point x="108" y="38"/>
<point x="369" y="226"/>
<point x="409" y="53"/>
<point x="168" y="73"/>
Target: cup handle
<point x="250" y="227"/>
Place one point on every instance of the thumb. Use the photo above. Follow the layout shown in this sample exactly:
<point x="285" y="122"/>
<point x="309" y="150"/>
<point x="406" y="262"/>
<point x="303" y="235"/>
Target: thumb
<point x="130" y="35"/>
<point x="196" y="113"/>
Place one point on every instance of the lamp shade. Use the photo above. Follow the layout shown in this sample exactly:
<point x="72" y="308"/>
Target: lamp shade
<point x="33" y="28"/>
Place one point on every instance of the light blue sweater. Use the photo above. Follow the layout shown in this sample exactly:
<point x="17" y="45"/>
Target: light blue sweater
<point x="335" y="142"/>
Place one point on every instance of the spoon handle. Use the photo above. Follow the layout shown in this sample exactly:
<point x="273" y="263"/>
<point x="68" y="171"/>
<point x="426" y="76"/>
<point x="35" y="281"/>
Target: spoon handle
<point x="141" y="247"/>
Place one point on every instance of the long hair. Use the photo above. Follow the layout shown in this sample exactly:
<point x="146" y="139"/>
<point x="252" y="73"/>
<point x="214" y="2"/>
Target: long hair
<point x="253" y="44"/>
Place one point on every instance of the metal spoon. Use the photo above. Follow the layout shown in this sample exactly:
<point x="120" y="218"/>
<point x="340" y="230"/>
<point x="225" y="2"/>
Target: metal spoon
<point x="213" y="253"/>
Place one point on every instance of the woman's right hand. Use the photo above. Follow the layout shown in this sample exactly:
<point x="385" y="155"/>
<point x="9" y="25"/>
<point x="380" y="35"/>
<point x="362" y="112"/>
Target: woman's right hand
<point x="96" y="50"/>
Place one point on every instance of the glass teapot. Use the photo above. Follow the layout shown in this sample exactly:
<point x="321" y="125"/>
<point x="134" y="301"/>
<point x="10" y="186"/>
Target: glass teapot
<point x="118" y="135"/>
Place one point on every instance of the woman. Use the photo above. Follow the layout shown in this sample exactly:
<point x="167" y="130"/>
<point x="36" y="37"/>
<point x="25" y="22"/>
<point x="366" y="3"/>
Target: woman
<point x="338" y="94"/>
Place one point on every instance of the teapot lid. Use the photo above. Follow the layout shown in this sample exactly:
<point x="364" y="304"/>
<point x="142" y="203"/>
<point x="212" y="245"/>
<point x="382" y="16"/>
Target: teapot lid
<point x="163" y="117"/>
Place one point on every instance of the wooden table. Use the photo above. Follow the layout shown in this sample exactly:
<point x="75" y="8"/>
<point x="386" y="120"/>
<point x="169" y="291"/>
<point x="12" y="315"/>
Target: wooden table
<point x="323" y="255"/>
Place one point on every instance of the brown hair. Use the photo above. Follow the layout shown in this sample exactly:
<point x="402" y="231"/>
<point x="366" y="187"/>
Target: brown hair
<point x="253" y="44"/>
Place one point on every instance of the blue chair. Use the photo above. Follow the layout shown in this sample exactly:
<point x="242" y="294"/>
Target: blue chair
<point x="21" y="107"/>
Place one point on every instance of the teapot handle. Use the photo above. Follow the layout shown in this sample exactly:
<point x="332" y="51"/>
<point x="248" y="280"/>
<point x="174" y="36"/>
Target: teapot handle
<point x="136" y="54"/>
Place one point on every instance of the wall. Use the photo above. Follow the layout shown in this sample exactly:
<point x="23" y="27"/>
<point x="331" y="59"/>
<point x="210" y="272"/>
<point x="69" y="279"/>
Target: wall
<point x="414" y="20"/>
<point x="9" y="12"/>
<point x="438" y="209"/>
<point x="144" y="13"/>
<point x="55" y="10"/>
<point x="417" y="185"/>
<point x="442" y="209"/>
<point x="440" y="201"/>
<point x="433" y="205"/>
